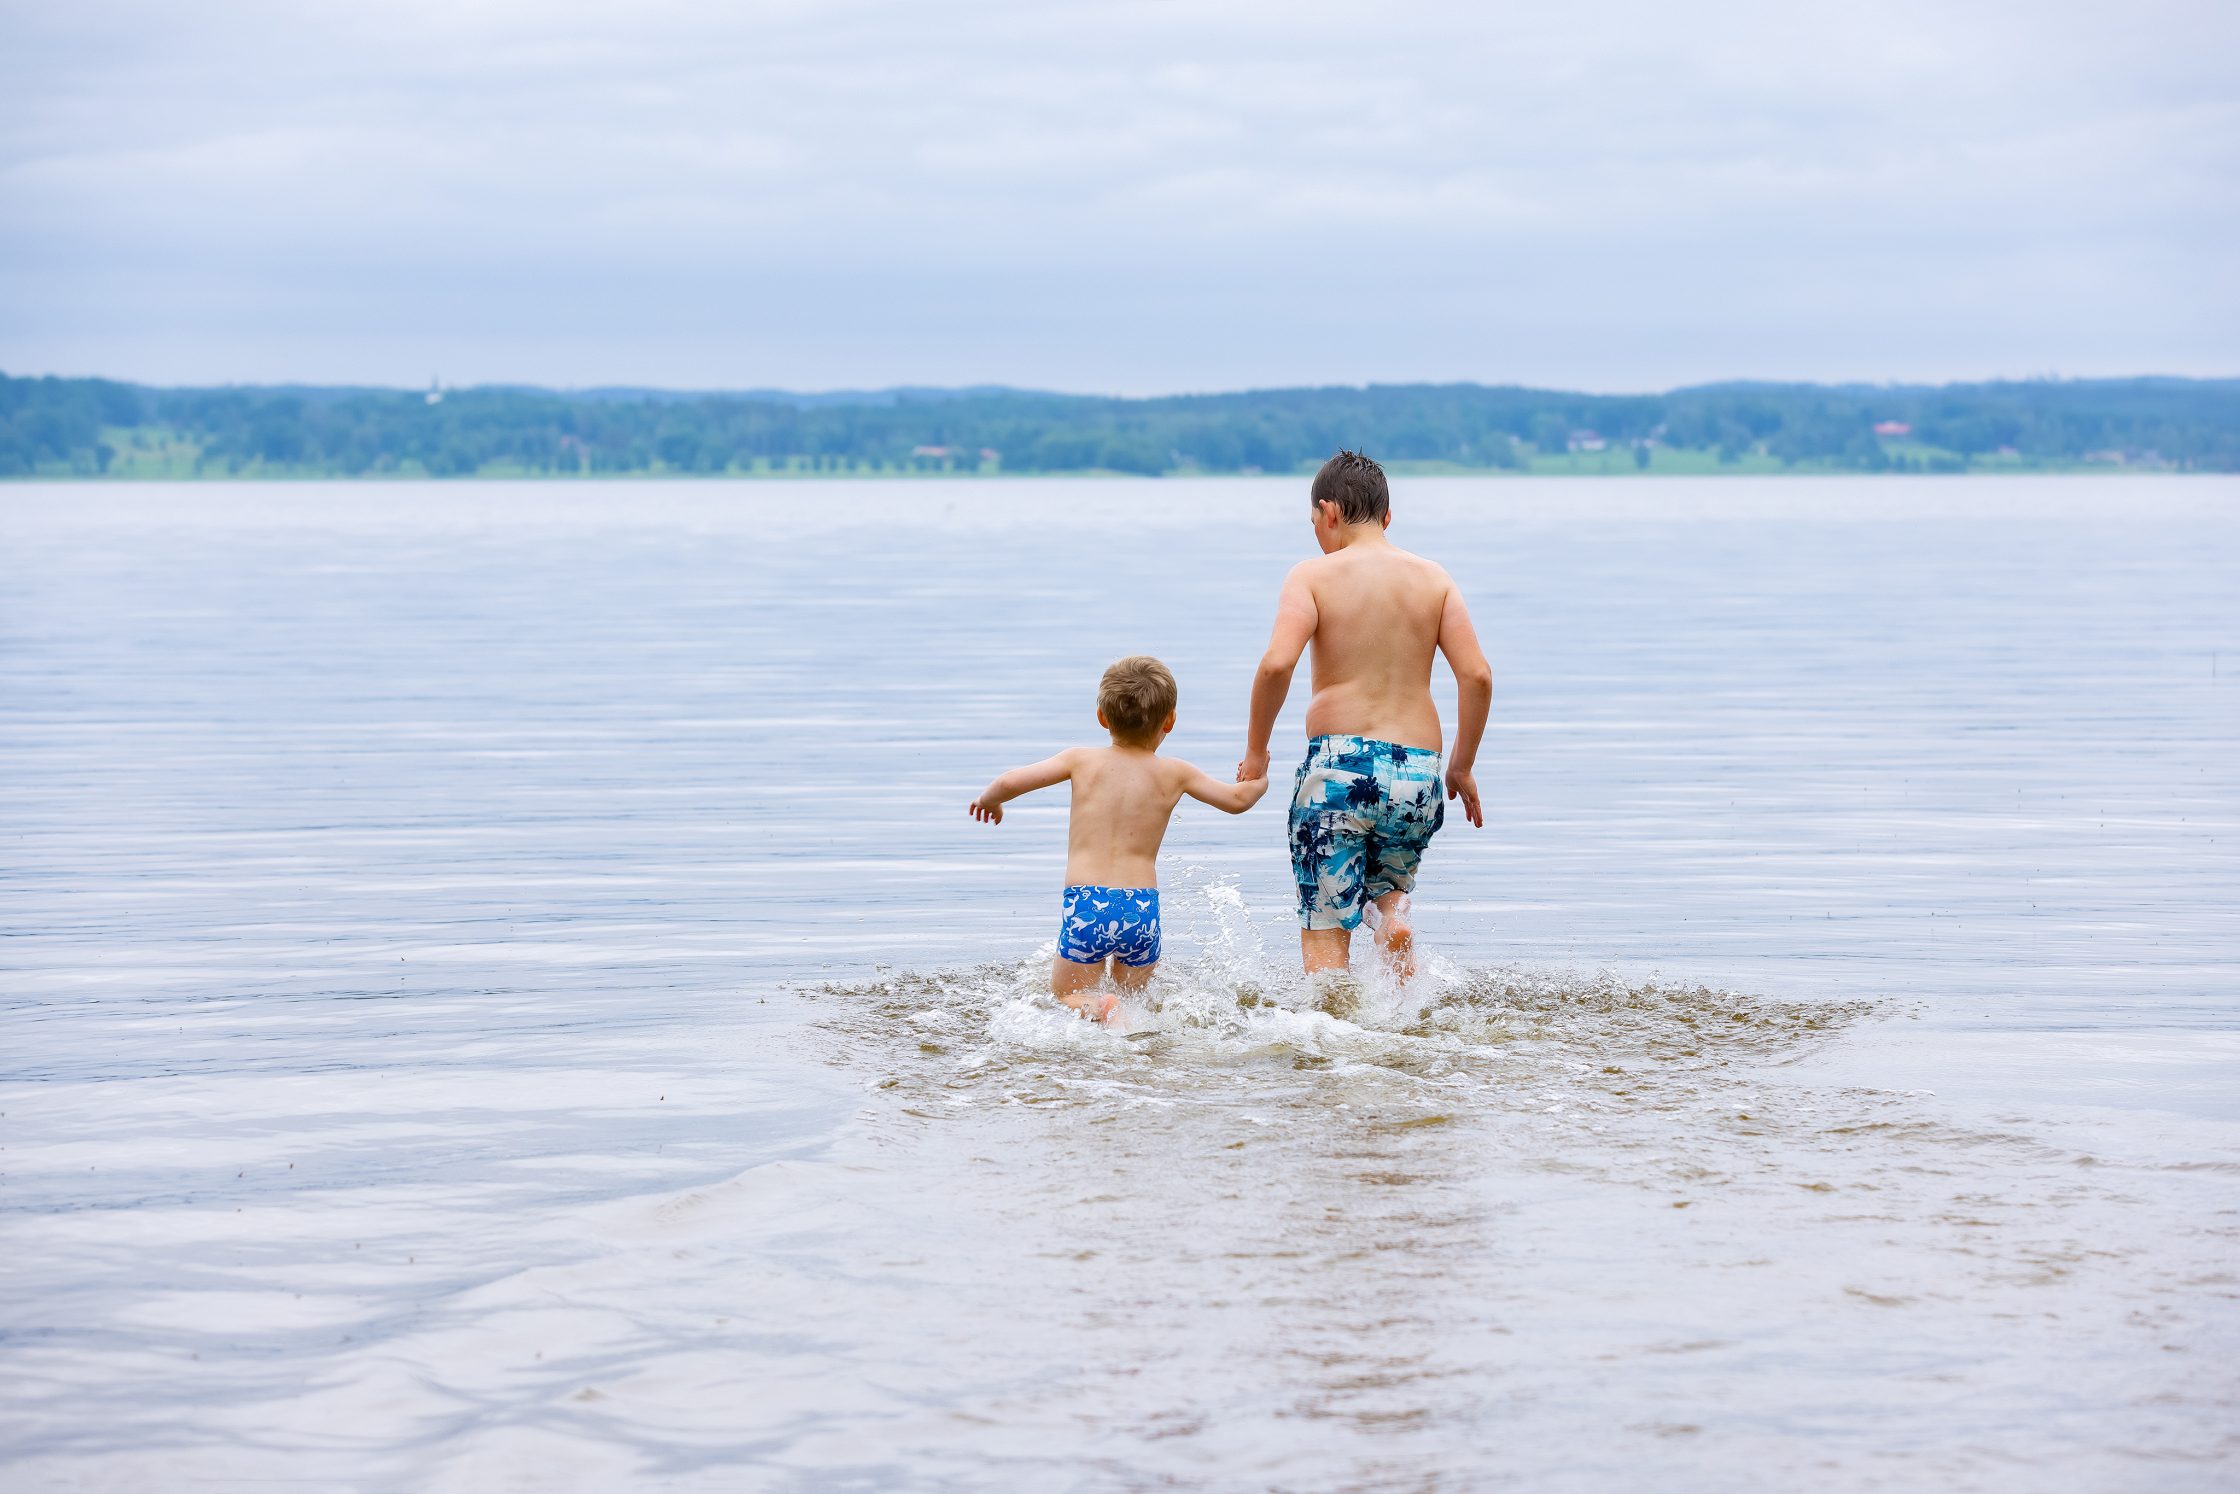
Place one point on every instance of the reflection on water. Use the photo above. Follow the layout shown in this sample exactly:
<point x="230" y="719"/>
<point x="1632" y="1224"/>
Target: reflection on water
<point x="499" y="991"/>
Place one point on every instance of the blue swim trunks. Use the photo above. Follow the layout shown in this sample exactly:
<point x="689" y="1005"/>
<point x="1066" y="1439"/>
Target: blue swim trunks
<point x="1119" y="921"/>
<point x="1361" y="813"/>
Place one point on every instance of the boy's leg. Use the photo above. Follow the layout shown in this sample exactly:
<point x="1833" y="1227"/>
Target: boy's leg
<point x="1069" y="978"/>
<point x="1328" y="840"/>
<point x="1414" y="809"/>
<point x="1335" y="898"/>
<point x="1132" y="978"/>
<point x="1075" y="982"/>
<point x="1330" y="978"/>
<point x="1395" y="933"/>
<point x="1327" y="863"/>
<point x="1325" y="949"/>
<point x="1138" y="946"/>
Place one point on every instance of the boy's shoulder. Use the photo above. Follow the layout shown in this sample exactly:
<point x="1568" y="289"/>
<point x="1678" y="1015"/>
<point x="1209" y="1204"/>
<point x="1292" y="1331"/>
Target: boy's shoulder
<point x="1343" y="562"/>
<point x="1175" y="772"/>
<point x="1090" y="756"/>
<point x="1136" y="767"/>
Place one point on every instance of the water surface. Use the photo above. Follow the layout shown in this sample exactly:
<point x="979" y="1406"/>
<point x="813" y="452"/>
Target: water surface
<point x="501" y="991"/>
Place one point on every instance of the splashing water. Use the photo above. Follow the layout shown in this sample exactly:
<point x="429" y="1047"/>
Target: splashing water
<point x="1515" y="1036"/>
<point x="1426" y="1203"/>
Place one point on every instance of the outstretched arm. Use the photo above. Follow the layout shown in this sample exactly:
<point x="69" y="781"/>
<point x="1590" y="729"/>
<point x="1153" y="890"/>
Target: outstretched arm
<point x="988" y="808"/>
<point x="1229" y="798"/>
<point x="1295" y="624"/>
<point x="1473" y="680"/>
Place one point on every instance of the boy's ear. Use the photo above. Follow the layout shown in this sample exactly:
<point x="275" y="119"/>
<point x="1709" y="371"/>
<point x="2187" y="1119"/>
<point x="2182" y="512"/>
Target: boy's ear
<point x="1169" y="727"/>
<point x="1101" y="721"/>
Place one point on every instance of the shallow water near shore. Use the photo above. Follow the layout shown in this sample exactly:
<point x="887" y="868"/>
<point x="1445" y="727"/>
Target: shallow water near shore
<point x="499" y="990"/>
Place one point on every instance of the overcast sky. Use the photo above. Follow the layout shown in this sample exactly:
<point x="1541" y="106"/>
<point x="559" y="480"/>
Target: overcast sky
<point x="1131" y="198"/>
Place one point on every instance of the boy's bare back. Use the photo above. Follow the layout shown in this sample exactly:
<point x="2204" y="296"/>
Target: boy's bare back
<point x="1124" y="794"/>
<point x="1123" y="799"/>
<point x="1374" y="616"/>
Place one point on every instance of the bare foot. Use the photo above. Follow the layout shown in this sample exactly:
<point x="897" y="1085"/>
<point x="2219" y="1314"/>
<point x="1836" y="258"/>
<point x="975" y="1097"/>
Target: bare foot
<point x="1395" y="933"/>
<point x="1398" y="942"/>
<point x="1092" y="1006"/>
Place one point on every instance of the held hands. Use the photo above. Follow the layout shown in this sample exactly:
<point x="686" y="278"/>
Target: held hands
<point x="1253" y="788"/>
<point x="1255" y="765"/>
<point x="1463" y="784"/>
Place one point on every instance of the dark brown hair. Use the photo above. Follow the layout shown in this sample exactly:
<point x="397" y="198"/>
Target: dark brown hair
<point x="1356" y="485"/>
<point x="1136" y="696"/>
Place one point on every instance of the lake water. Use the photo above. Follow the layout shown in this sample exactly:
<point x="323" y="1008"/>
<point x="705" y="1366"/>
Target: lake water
<point x="500" y="991"/>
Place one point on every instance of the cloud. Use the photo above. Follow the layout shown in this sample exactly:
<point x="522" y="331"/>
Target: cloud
<point x="1118" y="196"/>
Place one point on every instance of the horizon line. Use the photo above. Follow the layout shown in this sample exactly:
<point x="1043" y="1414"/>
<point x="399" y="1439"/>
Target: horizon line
<point x="993" y="389"/>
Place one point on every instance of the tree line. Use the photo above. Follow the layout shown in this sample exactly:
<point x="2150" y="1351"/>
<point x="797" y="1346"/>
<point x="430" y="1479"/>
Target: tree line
<point x="91" y="427"/>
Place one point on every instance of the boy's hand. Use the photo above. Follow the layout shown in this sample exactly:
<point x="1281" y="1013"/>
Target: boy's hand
<point x="1463" y="785"/>
<point x="986" y="813"/>
<point x="1255" y="765"/>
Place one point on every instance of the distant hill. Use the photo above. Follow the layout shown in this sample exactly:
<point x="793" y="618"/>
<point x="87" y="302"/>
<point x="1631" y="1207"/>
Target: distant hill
<point x="96" y="427"/>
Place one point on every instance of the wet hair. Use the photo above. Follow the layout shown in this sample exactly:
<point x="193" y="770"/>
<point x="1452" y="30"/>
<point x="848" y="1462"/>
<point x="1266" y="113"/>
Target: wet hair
<point x="1356" y="485"/>
<point x="1136" y="695"/>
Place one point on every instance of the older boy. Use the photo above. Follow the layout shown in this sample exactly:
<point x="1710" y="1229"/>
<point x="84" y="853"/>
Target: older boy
<point x="1123" y="796"/>
<point x="1368" y="797"/>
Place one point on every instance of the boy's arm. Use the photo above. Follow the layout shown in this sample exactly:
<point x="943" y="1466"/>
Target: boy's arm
<point x="1473" y="680"/>
<point x="1229" y="798"/>
<point x="988" y="808"/>
<point x="1295" y="624"/>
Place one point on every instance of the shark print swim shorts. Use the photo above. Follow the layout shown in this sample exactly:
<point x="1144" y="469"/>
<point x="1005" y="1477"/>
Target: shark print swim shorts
<point x="1119" y="921"/>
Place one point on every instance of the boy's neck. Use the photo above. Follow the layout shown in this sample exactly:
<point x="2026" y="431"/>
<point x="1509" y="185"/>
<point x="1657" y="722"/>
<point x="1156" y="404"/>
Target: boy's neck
<point x="1121" y="744"/>
<point x="1370" y="533"/>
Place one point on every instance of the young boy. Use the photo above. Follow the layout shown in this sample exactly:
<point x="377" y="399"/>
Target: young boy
<point x="1123" y="796"/>
<point x="1368" y="797"/>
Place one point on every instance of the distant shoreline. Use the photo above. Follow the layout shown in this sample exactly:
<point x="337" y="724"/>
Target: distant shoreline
<point x="95" y="428"/>
<point x="1662" y="465"/>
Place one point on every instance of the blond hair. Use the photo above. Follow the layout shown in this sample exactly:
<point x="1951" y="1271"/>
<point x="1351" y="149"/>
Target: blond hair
<point x="1136" y="696"/>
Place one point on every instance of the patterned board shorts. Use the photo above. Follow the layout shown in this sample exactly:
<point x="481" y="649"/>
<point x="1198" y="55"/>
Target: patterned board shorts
<point x="1361" y="813"/>
<point x="1119" y="921"/>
